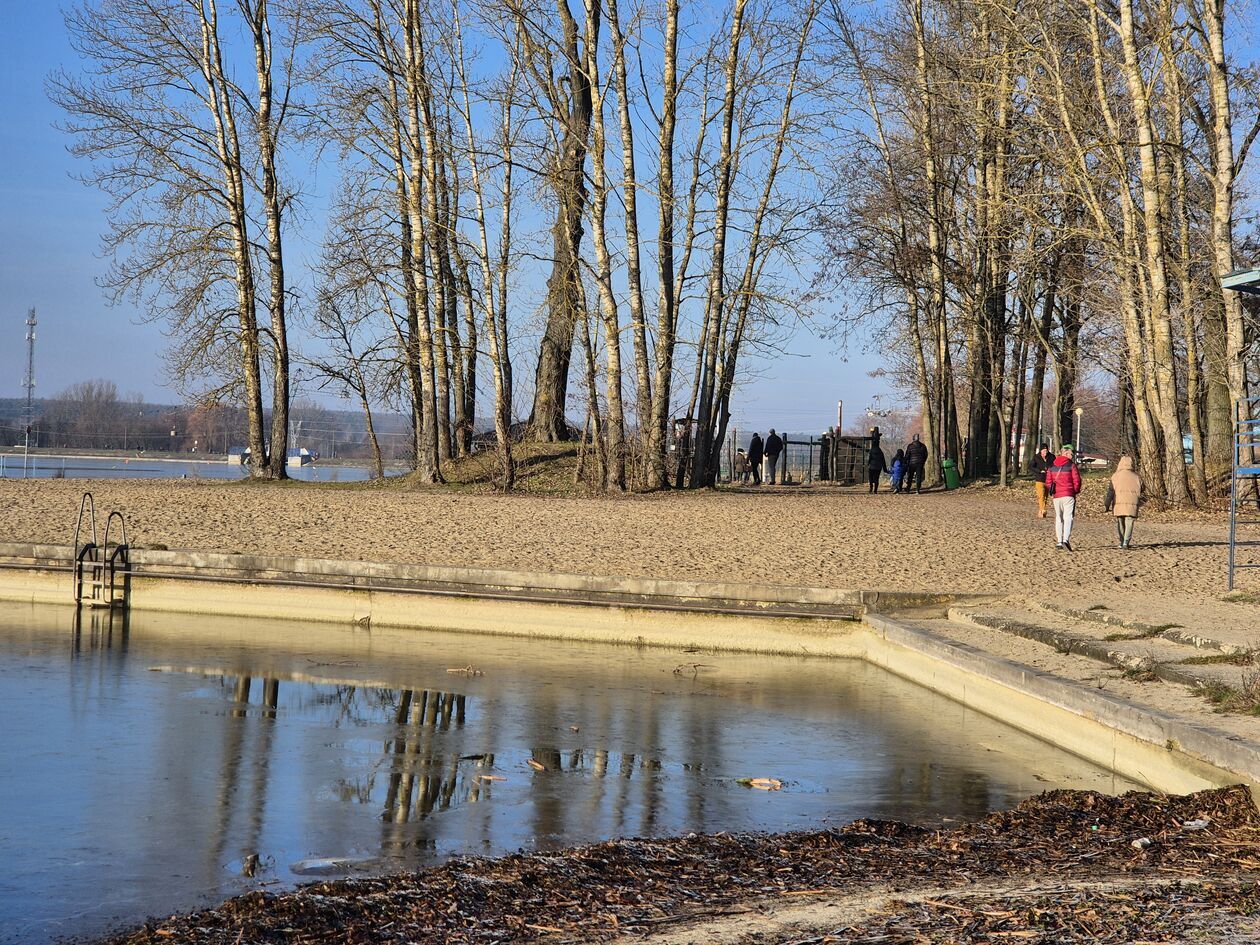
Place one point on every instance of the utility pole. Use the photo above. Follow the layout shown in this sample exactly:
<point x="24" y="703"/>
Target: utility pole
<point x="29" y="384"/>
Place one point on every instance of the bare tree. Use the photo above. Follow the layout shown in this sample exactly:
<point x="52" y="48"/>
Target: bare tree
<point x="189" y="158"/>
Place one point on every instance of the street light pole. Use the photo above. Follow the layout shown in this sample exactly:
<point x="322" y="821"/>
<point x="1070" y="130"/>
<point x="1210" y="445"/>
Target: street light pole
<point x="1079" y="413"/>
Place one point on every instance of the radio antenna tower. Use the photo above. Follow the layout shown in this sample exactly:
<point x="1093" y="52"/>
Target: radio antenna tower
<point x="29" y="382"/>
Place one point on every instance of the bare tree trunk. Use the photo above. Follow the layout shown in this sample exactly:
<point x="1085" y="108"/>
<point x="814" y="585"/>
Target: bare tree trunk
<point x="1015" y="422"/>
<point x="427" y="462"/>
<point x="260" y="30"/>
<point x="1156" y="259"/>
<point x="1066" y="372"/>
<point x="1184" y="262"/>
<point x="573" y="116"/>
<point x="667" y="305"/>
<point x="592" y="393"/>
<point x="229" y="148"/>
<point x="630" y="200"/>
<point x="378" y="465"/>
<point x="715" y="295"/>
<point x="948" y="443"/>
<point x="1225" y="167"/>
<point x="1037" y="389"/>
<point x="615" y="426"/>
<point x="494" y="303"/>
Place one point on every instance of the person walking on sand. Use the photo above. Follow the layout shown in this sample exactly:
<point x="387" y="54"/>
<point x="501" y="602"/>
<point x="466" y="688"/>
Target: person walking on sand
<point x="756" y="450"/>
<point x="1039" y="466"/>
<point x="916" y="459"/>
<point x="876" y="465"/>
<point x="1124" y="495"/>
<point x="774" y="446"/>
<point x="897" y="470"/>
<point x="1063" y="482"/>
<point x="740" y="473"/>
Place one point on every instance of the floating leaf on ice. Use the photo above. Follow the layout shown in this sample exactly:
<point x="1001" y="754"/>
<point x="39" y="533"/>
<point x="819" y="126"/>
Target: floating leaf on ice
<point x="762" y="784"/>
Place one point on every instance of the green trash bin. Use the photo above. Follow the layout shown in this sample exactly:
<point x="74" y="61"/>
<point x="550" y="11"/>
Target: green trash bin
<point x="952" y="480"/>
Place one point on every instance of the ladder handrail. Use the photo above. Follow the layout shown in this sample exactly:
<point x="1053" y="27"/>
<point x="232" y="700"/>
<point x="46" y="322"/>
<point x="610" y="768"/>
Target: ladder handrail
<point x="88" y="504"/>
<point x="121" y="524"/>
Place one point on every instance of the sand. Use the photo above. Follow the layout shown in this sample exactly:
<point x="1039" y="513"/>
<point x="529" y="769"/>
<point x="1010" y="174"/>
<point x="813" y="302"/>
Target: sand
<point x="969" y="541"/>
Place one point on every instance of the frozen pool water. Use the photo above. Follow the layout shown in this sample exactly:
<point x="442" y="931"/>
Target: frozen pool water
<point x="145" y="759"/>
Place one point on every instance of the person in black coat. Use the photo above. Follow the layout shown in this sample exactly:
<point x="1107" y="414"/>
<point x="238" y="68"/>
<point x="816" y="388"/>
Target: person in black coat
<point x="876" y="464"/>
<point x="916" y="459"/>
<point x="774" y="446"/>
<point x="1041" y="462"/>
<point x="756" y="450"/>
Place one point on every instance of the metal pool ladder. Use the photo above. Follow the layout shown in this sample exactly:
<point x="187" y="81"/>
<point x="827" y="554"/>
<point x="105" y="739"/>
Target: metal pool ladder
<point x="1244" y="487"/>
<point x="101" y="569"/>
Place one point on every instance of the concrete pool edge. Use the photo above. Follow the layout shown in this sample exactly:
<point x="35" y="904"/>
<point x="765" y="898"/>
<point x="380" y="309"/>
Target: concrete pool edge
<point x="1165" y="752"/>
<point x="597" y="590"/>
<point x="1168" y="753"/>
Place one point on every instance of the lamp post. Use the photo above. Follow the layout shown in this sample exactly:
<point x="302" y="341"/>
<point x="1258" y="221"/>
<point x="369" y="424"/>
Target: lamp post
<point x="1079" y="413"/>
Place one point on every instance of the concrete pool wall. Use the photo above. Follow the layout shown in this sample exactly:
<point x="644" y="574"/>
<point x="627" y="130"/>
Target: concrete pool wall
<point x="1165" y="752"/>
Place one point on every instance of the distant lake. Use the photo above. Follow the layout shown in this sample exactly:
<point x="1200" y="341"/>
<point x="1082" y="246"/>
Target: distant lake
<point x="139" y="467"/>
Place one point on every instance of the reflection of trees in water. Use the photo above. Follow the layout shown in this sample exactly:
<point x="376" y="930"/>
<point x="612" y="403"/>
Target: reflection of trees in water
<point x="422" y="778"/>
<point x="238" y="758"/>
<point x="618" y="762"/>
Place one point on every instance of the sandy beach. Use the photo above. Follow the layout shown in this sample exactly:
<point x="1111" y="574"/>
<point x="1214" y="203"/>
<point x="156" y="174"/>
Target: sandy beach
<point x="977" y="540"/>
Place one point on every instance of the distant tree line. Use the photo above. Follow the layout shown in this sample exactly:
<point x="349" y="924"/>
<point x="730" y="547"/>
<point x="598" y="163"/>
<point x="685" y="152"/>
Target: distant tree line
<point x="92" y="415"/>
<point x="1002" y="193"/>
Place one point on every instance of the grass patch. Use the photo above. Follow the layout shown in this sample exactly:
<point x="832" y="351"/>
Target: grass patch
<point x="1246" y="658"/>
<point x="1143" y="634"/>
<point x="1140" y="674"/>
<point x="1244" y="700"/>
<point x="1099" y="607"/>
<point x="1238" y="597"/>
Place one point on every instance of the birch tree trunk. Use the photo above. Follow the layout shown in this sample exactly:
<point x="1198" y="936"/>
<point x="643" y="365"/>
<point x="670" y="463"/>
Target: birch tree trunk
<point x="260" y="31"/>
<point x="1156" y="259"/>
<point x="630" y="201"/>
<point x="667" y="304"/>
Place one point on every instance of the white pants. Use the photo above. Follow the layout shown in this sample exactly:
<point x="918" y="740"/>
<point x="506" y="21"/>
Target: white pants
<point x="1064" y="509"/>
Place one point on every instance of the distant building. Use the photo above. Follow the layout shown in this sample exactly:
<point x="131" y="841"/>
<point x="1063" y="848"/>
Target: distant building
<point x="298" y="456"/>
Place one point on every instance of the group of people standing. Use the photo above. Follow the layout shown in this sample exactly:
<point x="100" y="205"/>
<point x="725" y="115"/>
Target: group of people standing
<point x="906" y="471"/>
<point x="748" y="464"/>
<point x="1058" y="478"/>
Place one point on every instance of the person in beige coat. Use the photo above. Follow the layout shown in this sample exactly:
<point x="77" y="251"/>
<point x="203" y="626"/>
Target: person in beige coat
<point x="1124" y="495"/>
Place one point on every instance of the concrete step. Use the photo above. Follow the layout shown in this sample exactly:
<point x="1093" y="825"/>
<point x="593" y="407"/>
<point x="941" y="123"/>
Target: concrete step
<point x="1140" y="630"/>
<point x="1167" y="659"/>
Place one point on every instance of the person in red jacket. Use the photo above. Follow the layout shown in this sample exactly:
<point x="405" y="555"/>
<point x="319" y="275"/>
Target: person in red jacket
<point x="1063" y="483"/>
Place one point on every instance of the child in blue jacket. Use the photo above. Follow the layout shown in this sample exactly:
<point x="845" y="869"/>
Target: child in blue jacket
<point x="897" y="470"/>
